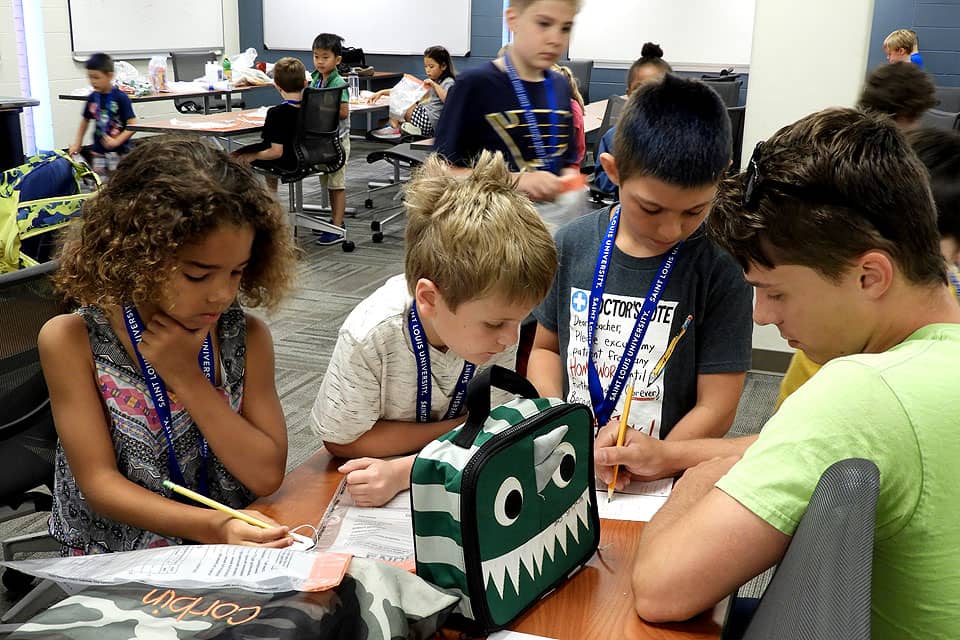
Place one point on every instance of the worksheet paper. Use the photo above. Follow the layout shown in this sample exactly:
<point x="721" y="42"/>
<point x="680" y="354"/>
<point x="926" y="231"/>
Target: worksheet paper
<point x="638" y="502"/>
<point x="197" y="566"/>
<point x="379" y="533"/>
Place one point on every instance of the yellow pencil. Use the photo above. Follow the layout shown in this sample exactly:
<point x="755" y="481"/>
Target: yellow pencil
<point x="213" y="504"/>
<point x="621" y="434"/>
<point x="662" y="362"/>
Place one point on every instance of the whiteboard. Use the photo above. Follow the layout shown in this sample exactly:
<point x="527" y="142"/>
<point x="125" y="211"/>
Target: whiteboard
<point x="692" y="33"/>
<point x="404" y="27"/>
<point x="145" y="26"/>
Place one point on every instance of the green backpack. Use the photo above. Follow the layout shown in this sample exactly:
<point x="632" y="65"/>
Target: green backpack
<point x="504" y="507"/>
<point x="38" y="197"/>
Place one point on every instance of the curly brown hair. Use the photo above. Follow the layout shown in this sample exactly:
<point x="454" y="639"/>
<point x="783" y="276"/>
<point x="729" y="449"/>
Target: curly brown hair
<point x="170" y="192"/>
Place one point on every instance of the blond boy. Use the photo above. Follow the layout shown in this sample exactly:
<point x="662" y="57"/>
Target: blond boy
<point x="903" y="45"/>
<point x="478" y="259"/>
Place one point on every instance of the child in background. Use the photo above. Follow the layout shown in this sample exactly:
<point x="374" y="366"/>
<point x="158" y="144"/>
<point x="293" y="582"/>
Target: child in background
<point x="160" y="263"/>
<point x="280" y="126"/>
<point x="327" y="50"/>
<point x="579" y="138"/>
<point x="516" y="104"/>
<point x="109" y="108"/>
<point x="939" y="151"/>
<point x="478" y="258"/>
<point x="903" y="45"/>
<point x="900" y="90"/>
<point x="671" y="148"/>
<point x="649" y="67"/>
<point x="421" y="119"/>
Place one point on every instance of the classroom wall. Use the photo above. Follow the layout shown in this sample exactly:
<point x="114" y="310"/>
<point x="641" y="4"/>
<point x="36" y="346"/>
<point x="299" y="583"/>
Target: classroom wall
<point x="791" y="77"/>
<point x="66" y="74"/>
<point x="937" y="23"/>
<point x="9" y="76"/>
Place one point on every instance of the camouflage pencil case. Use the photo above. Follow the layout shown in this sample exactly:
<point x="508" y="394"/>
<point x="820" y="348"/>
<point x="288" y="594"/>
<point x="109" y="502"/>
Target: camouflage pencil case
<point x="503" y="506"/>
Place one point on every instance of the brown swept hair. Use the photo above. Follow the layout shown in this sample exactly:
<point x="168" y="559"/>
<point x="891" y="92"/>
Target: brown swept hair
<point x="170" y="192"/>
<point x="832" y="186"/>
<point x="476" y="235"/>
<point x="900" y="90"/>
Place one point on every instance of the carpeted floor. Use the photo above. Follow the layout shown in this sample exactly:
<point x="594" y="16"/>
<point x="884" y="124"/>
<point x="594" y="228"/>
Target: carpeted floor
<point x="329" y="284"/>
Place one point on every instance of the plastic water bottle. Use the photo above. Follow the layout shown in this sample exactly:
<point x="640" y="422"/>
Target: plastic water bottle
<point x="227" y="71"/>
<point x="353" y="82"/>
<point x="113" y="159"/>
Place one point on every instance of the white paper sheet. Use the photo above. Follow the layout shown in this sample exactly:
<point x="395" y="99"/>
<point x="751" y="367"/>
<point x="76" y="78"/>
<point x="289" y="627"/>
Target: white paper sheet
<point x="638" y="502"/>
<point x="188" y="566"/>
<point x="379" y="533"/>
<point x="514" y="635"/>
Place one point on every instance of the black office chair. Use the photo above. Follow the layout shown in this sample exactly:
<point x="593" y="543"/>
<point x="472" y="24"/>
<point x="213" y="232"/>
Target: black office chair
<point x="611" y="116"/>
<point x="822" y="587"/>
<point x="318" y="150"/>
<point x="27" y="435"/>
<point x="938" y="119"/>
<point x="737" y="117"/>
<point x="948" y="99"/>
<point x="729" y="91"/>
<point x="582" y="70"/>
<point x="400" y="156"/>
<point x="188" y="67"/>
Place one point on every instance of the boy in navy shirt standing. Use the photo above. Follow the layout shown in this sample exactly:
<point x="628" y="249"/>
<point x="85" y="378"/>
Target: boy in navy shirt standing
<point x="109" y="108"/>
<point x="516" y="104"/>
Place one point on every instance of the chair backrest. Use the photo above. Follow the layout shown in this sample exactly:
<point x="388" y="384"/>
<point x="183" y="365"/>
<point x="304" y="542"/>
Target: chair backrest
<point x="729" y="91"/>
<point x="582" y="70"/>
<point x="948" y="98"/>
<point x="737" y="116"/>
<point x="27" y="301"/>
<point x="611" y="115"/>
<point x="940" y="119"/>
<point x="317" y="144"/>
<point x="822" y="587"/>
<point x="188" y="67"/>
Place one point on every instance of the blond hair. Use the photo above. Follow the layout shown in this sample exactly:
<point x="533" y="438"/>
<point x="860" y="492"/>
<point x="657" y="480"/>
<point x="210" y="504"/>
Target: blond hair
<point x="522" y="5"/>
<point x="477" y="235"/>
<point x="572" y="81"/>
<point x="902" y="39"/>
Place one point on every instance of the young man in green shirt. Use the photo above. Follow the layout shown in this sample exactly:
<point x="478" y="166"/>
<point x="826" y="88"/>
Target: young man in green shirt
<point x="835" y="227"/>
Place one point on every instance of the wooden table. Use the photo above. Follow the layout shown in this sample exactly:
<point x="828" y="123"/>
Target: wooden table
<point x="205" y="94"/>
<point x="596" y="603"/>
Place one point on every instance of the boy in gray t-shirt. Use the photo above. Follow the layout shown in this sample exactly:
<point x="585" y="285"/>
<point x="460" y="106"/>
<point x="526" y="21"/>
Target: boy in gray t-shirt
<point x="647" y="258"/>
<point x="478" y="259"/>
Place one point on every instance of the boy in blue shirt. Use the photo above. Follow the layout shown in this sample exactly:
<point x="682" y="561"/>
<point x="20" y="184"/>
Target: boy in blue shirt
<point x="109" y="108"/>
<point x="516" y="104"/>
<point x="327" y="54"/>
<point x="629" y="277"/>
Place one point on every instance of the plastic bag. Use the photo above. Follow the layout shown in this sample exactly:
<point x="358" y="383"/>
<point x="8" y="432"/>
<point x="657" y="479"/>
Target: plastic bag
<point x="243" y="60"/>
<point x="157" y="72"/>
<point x="408" y="92"/>
<point x="123" y="71"/>
<point x="250" y="77"/>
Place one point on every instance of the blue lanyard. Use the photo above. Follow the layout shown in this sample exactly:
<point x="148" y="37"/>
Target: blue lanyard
<point x="604" y="404"/>
<point x="955" y="281"/>
<point x="161" y="400"/>
<point x="531" y="117"/>
<point x="421" y="352"/>
<point x="291" y="102"/>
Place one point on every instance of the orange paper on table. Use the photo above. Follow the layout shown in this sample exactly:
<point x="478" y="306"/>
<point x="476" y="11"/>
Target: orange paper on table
<point x="327" y="571"/>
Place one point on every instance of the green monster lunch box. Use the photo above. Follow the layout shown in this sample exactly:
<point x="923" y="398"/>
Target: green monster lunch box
<point x="504" y="507"/>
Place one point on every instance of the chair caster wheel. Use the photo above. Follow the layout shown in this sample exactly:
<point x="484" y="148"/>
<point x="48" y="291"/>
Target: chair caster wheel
<point x="16" y="582"/>
<point x="377" y="237"/>
<point x="348" y="246"/>
<point x="374" y="226"/>
<point x="368" y="203"/>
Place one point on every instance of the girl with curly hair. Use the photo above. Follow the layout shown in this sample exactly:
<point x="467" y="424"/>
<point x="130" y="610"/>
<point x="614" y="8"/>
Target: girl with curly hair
<point x="160" y="374"/>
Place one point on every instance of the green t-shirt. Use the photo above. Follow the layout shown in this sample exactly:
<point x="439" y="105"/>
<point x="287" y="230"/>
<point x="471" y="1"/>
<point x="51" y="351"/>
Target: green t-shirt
<point x="900" y="409"/>
<point x="333" y="80"/>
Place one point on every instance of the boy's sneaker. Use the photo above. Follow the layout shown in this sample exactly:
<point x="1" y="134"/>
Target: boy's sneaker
<point x="386" y="133"/>
<point x="329" y="237"/>
<point x="411" y="129"/>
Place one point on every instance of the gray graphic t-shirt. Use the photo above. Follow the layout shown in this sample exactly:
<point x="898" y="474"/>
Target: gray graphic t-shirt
<point x="705" y="282"/>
